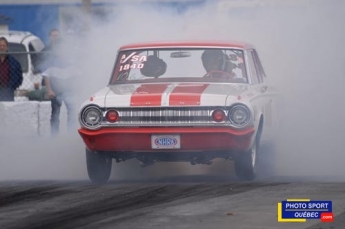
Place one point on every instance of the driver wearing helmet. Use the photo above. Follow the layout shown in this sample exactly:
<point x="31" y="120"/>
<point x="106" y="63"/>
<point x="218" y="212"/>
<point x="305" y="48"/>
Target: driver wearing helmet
<point x="216" y="64"/>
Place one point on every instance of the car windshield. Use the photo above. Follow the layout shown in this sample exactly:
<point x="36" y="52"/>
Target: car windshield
<point x="180" y="64"/>
<point x="21" y="57"/>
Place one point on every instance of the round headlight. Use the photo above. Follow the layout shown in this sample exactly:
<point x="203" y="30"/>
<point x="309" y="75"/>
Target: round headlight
<point x="91" y="117"/>
<point x="239" y="115"/>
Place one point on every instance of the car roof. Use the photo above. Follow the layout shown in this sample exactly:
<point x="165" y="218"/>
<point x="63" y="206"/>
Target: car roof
<point x="16" y="36"/>
<point x="187" y="44"/>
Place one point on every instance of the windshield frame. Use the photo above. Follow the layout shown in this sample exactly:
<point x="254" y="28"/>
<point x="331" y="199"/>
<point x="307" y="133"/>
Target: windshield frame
<point x="115" y="71"/>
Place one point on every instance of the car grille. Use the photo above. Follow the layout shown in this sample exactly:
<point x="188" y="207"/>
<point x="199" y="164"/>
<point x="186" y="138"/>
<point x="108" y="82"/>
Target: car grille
<point x="166" y="116"/>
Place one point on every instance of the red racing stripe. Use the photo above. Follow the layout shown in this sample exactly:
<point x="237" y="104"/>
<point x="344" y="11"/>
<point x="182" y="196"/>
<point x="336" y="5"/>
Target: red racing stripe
<point x="148" y="95"/>
<point x="187" y="94"/>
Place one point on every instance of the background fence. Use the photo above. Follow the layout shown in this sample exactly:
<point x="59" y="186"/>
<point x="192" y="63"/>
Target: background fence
<point x="31" y="117"/>
<point x="31" y="65"/>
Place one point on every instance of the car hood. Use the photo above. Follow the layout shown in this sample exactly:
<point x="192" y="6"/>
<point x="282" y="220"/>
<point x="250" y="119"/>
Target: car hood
<point x="172" y="94"/>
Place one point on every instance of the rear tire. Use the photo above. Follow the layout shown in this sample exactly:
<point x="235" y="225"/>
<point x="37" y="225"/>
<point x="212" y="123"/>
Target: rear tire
<point x="98" y="166"/>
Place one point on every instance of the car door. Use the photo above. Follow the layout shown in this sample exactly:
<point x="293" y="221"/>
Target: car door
<point x="265" y="95"/>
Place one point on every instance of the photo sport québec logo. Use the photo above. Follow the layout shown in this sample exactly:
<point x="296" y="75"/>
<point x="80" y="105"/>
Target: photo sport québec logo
<point x="301" y="210"/>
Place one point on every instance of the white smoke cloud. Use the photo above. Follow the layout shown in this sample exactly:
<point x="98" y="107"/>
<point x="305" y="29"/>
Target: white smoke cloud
<point x="301" y="47"/>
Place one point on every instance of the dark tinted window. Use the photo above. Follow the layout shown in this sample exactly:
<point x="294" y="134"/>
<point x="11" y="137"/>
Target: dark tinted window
<point x="22" y="55"/>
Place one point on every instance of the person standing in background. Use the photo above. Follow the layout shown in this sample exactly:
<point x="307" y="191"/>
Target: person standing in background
<point x="49" y="52"/>
<point x="54" y="37"/>
<point x="11" y="74"/>
<point x="44" y="61"/>
<point x="61" y="79"/>
<point x="47" y="66"/>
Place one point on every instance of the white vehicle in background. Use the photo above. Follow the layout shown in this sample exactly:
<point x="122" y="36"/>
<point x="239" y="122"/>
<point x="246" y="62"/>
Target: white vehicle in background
<point x="24" y="47"/>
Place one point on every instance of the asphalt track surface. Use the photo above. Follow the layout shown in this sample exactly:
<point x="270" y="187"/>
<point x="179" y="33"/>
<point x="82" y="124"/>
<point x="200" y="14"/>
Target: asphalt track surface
<point x="41" y="188"/>
<point x="189" y="202"/>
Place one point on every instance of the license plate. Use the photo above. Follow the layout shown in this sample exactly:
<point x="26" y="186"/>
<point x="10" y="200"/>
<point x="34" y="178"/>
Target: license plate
<point x="166" y="141"/>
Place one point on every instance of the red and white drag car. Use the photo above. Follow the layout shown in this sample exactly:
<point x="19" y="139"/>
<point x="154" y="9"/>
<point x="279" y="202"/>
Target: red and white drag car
<point x="180" y="101"/>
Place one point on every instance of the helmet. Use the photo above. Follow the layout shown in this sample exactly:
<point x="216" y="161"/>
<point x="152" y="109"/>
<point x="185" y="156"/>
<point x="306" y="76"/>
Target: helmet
<point x="213" y="56"/>
<point x="153" y="67"/>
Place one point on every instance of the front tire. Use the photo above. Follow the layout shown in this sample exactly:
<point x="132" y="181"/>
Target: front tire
<point x="98" y="166"/>
<point x="245" y="163"/>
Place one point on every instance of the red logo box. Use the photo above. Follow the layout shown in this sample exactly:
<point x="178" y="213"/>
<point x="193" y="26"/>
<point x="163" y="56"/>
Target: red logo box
<point x="326" y="217"/>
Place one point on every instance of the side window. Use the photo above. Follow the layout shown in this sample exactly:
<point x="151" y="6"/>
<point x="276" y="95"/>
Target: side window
<point x="260" y="70"/>
<point x="252" y="68"/>
<point x="34" y="58"/>
<point x="21" y="54"/>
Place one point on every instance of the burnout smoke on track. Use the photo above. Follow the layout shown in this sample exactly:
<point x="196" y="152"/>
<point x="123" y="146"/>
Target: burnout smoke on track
<point x="300" y="44"/>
